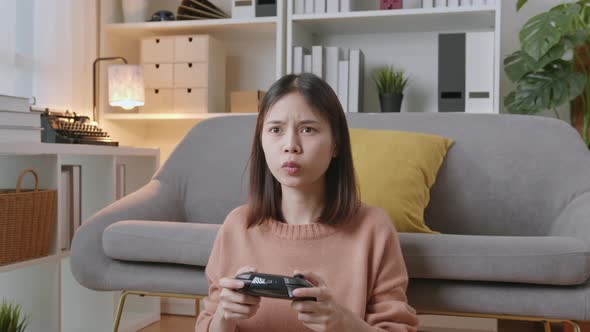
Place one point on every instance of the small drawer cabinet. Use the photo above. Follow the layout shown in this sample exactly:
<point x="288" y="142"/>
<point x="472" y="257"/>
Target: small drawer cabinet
<point x="183" y="74"/>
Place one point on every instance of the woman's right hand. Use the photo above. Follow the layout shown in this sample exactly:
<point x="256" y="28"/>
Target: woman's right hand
<point x="233" y="305"/>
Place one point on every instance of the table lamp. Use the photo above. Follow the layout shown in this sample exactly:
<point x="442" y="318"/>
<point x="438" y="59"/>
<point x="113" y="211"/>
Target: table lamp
<point x="125" y="85"/>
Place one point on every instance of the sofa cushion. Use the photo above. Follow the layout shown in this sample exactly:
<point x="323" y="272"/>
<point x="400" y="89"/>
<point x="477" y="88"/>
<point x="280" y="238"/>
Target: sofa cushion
<point x="395" y="171"/>
<point x="551" y="260"/>
<point x="160" y="241"/>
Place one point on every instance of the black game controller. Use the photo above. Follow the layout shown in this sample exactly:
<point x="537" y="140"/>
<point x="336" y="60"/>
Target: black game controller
<point x="273" y="285"/>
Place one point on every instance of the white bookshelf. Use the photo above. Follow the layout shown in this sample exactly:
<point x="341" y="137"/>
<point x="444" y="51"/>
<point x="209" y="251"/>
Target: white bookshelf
<point x="167" y="116"/>
<point x="255" y="49"/>
<point x="259" y="52"/>
<point x="45" y="286"/>
<point x="406" y="38"/>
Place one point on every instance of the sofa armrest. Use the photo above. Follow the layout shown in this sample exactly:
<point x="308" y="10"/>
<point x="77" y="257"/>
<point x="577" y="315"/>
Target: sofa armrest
<point x="155" y="201"/>
<point x="574" y="220"/>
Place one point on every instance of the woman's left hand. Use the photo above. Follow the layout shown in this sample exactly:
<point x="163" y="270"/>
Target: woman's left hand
<point x="323" y="315"/>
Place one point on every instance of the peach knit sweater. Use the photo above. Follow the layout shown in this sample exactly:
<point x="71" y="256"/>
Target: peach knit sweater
<point x="360" y="260"/>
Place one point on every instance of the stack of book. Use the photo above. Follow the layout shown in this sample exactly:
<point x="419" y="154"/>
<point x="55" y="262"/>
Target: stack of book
<point x="342" y="69"/>
<point x="333" y="6"/>
<point x="70" y="203"/>
<point x="17" y="122"/>
<point x="457" y="3"/>
<point x="199" y="10"/>
<point x="336" y="6"/>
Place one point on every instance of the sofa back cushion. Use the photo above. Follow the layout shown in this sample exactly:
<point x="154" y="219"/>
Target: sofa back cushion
<point x="505" y="174"/>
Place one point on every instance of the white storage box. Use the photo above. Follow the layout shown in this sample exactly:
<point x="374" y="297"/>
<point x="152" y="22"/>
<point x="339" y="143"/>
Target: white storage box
<point x="192" y="48"/>
<point x="158" y="101"/>
<point x="157" y="75"/>
<point x="190" y="100"/>
<point x="178" y="64"/>
<point x="191" y="75"/>
<point x="157" y="50"/>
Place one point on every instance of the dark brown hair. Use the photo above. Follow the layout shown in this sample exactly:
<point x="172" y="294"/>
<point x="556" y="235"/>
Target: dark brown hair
<point x="342" y="194"/>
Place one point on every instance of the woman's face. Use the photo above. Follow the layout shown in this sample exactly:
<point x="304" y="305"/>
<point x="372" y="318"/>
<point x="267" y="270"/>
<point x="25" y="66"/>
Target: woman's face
<point x="297" y="143"/>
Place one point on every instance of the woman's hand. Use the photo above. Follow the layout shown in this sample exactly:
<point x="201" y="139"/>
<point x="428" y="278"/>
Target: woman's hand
<point x="325" y="315"/>
<point x="233" y="305"/>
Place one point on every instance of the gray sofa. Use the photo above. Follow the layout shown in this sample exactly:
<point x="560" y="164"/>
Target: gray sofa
<point x="512" y="201"/>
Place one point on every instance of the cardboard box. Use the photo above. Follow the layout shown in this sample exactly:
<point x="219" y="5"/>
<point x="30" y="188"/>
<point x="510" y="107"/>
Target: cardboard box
<point x="246" y="101"/>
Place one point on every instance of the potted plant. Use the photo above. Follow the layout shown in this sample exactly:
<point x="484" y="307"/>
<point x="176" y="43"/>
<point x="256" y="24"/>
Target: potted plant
<point x="10" y="318"/>
<point x="390" y="84"/>
<point x="551" y="68"/>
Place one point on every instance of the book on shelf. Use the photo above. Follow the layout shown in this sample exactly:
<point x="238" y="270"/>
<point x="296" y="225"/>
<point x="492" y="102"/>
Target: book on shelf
<point x="70" y="203"/>
<point x="298" y="7"/>
<point x="199" y="10"/>
<point x="318" y="59"/>
<point x="332" y="6"/>
<point x="298" y="53"/>
<point x="355" y="80"/>
<point x="307" y="63"/>
<point x="320" y="6"/>
<point x="243" y="9"/>
<point x="309" y="6"/>
<point x="20" y="134"/>
<point x="14" y="103"/>
<point x="342" y="69"/>
<point x="346" y="6"/>
<point x="332" y="58"/>
<point x="14" y="118"/>
<point x="120" y="180"/>
<point x="343" y="84"/>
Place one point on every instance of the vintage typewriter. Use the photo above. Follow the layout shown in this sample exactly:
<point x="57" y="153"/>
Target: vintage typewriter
<point x="68" y="127"/>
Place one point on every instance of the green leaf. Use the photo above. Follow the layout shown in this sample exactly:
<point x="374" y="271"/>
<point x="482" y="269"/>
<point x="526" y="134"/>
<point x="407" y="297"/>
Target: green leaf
<point x="576" y="38"/>
<point x="390" y="80"/>
<point x="546" y="89"/>
<point x="542" y="32"/>
<point x="10" y="318"/>
<point x="518" y="64"/>
<point x="520" y="3"/>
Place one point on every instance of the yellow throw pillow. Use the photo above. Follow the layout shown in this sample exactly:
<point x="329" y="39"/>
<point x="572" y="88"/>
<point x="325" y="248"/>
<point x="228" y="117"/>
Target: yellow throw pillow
<point x="395" y="171"/>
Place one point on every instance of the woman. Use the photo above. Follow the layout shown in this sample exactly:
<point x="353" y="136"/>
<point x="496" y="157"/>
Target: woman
<point x="304" y="216"/>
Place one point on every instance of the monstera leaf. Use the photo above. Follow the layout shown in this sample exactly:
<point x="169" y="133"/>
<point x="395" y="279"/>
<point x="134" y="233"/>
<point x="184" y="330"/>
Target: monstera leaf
<point x="546" y="89"/>
<point x="544" y="31"/>
<point x="520" y="3"/>
<point x="520" y="63"/>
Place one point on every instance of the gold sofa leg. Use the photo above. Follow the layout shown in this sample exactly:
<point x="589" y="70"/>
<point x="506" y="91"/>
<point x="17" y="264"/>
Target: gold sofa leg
<point x="123" y="296"/>
<point x="574" y="325"/>
<point x="545" y="321"/>
<point x="120" y="310"/>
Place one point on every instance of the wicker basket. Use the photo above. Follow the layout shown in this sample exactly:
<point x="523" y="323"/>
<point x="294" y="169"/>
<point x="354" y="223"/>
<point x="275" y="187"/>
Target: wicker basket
<point x="27" y="219"/>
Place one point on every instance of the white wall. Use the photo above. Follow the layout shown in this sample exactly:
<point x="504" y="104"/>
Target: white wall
<point x="512" y="22"/>
<point x="65" y="47"/>
<point x="16" y="53"/>
<point x="46" y="51"/>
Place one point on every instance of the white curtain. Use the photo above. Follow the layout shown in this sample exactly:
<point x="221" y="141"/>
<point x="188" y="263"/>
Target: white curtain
<point x="65" y="47"/>
<point x="16" y="47"/>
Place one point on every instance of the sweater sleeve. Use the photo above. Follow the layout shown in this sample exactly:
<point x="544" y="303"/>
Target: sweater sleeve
<point x="212" y="271"/>
<point x="387" y="307"/>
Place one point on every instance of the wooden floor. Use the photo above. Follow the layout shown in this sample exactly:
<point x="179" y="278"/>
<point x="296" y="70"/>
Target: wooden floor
<point x="171" y="323"/>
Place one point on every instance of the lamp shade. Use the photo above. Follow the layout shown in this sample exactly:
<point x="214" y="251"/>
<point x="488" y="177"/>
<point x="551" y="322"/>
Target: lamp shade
<point x="126" y="86"/>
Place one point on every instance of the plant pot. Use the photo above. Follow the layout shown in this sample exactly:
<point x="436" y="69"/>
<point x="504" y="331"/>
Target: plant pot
<point x="391" y="102"/>
<point x="134" y="10"/>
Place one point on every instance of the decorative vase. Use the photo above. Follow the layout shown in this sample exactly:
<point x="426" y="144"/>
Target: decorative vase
<point x="134" y="10"/>
<point x="391" y="102"/>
